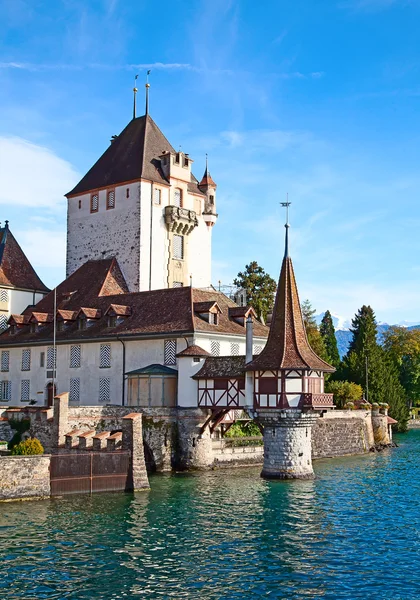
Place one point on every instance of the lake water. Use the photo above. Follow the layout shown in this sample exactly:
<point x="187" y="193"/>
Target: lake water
<point x="352" y="533"/>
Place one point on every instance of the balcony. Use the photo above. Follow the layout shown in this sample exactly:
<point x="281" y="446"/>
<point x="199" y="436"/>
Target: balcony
<point x="180" y="220"/>
<point x="317" y="401"/>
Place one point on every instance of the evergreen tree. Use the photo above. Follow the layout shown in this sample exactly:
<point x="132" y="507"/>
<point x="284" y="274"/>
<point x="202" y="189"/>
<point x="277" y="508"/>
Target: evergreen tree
<point x="315" y="339"/>
<point x="327" y="332"/>
<point x="260" y="288"/>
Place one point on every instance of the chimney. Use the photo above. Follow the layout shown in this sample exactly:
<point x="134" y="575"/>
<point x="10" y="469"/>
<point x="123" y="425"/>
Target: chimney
<point x="249" y="339"/>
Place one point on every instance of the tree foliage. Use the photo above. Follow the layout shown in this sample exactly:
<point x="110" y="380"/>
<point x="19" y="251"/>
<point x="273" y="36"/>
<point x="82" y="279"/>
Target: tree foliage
<point x="371" y="366"/>
<point x="260" y="288"/>
<point x="315" y="339"/>
<point x="327" y="332"/>
<point x="28" y="447"/>
<point x="403" y="348"/>
<point x="344" y="391"/>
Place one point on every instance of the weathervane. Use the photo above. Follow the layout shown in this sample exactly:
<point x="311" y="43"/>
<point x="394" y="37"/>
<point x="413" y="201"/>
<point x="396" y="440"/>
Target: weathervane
<point x="147" y="86"/>
<point x="135" y="93"/>
<point x="286" y="206"/>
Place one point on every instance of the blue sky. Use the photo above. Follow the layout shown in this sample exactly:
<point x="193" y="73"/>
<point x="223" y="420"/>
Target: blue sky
<point x="319" y="100"/>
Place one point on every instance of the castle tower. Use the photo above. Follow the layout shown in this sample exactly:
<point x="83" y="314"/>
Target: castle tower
<point x="141" y="204"/>
<point x="288" y="385"/>
<point x="208" y="187"/>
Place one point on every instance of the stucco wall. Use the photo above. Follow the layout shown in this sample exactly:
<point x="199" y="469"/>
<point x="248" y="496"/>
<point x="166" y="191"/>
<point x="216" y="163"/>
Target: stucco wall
<point x="24" y="477"/>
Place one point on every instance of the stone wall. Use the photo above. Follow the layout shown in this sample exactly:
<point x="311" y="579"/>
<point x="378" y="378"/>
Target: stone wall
<point x="230" y="456"/>
<point x="342" y="432"/>
<point x="6" y="433"/>
<point x="24" y="477"/>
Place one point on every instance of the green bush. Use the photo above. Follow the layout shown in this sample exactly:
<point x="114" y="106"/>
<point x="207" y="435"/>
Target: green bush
<point x="28" y="447"/>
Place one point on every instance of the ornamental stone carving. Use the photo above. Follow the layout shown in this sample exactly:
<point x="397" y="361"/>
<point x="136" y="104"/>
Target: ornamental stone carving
<point x="180" y="220"/>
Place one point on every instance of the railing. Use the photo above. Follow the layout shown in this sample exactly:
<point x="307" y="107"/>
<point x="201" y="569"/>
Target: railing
<point x="237" y="442"/>
<point x="318" y="400"/>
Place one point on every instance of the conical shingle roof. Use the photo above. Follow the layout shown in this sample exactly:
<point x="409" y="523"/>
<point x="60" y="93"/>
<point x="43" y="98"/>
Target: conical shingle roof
<point x="287" y="345"/>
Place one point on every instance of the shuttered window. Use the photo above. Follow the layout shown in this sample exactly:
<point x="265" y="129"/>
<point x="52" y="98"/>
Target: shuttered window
<point x="170" y="352"/>
<point x="215" y="348"/>
<point x="234" y="349"/>
<point x="74" y="392"/>
<point x="110" y="199"/>
<point x="3" y="322"/>
<point x="257" y="349"/>
<point x="5" y="360"/>
<point x="104" y="389"/>
<point x="5" y="391"/>
<point x="51" y="357"/>
<point x="177" y="284"/>
<point x="4" y="296"/>
<point x="178" y="246"/>
<point x="26" y="360"/>
<point x="75" y="356"/>
<point x="94" y="203"/>
<point x="157" y="196"/>
<point x="178" y="197"/>
<point x="105" y="356"/>
<point x="25" y="390"/>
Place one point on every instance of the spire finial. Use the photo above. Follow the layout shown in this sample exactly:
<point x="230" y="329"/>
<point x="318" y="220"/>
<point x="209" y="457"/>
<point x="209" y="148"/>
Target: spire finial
<point x="135" y="94"/>
<point x="6" y="224"/>
<point x="207" y="162"/>
<point x="286" y="206"/>
<point x="147" y="86"/>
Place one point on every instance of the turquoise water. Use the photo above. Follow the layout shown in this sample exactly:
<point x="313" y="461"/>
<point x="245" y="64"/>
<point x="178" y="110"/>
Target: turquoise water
<point x="351" y="533"/>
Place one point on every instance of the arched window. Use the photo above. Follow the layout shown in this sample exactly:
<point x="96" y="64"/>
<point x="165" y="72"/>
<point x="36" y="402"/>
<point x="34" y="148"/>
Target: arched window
<point x="178" y="197"/>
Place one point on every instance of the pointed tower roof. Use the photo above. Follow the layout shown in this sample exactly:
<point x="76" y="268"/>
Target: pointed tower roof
<point x="15" y="268"/>
<point x="207" y="180"/>
<point x="134" y="154"/>
<point x="287" y="345"/>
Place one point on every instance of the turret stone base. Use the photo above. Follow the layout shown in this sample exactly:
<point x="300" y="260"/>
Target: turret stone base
<point x="287" y="443"/>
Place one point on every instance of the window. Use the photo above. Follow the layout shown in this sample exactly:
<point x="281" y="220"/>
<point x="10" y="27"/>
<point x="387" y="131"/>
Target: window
<point x="157" y="196"/>
<point x="178" y="197"/>
<point x="105" y="356"/>
<point x="170" y="352"/>
<point x="5" y="391"/>
<point x="196" y="359"/>
<point x="112" y="321"/>
<point x="178" y="246"/>
<point x="221" y="384"/>
<point x="26" y="360"/>
<point x="234" y="349"/>
<point x="213" y="318"/>
<point x="5" y="359"/>
<point x="74" y="391"/>
<point x="186" y="160"/>
<point x="127" y="193"/>
<point x="24" y="390"/>
<point x="81" y="323"/>
<point x="4" y="296"/>
<point x="51" y="357"/>
<point x="94" y="202"/>
<point x="80" y="204"/>
<point x="177" y="157"/>
<point x="75" y="356"/>
<point x="110" y="199"/>
<point x="257" y="349"/>
<point x="32" y="328"/>
<point x="215" y="348"/>
<point x="3" y="322"/>
<point x="177" y="284"/>
<point x="42" y="359"/>
<point x="104" y="389"/>
<point x="211" y="199"/>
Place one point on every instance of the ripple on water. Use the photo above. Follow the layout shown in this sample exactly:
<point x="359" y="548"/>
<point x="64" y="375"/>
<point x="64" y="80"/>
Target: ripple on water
<point x="352" y="533"/>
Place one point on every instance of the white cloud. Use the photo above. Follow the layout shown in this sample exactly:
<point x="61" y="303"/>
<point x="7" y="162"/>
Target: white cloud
<point x="32" y="175"/>
<point x="44" y="247"/>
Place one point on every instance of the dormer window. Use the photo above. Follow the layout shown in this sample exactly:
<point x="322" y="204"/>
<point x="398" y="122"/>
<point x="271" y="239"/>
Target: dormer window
<point x="177" y="158"/>
<point x="32" y="328"/>
<point x="112" y="321"/>
<point x="60" y="325"/>
<point x="186" y="160"/>
<point x="213" y="318"/>
<point x="81" y="323"/>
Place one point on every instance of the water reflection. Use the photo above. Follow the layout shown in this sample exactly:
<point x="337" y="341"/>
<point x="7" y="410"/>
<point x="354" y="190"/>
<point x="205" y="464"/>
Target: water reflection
<point x="351" y="533"/>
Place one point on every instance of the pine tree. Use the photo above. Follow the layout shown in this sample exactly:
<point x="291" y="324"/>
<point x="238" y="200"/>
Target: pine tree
<point x="260" y="288"/>
<point x="327" y="332"/>
<point x="315" y="339"/>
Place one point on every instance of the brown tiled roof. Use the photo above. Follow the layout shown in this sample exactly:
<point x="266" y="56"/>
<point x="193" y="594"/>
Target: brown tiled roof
<point x="38" y="317"/>
<point x="207" y="180"/>
<point x="225" y="324"/>
<point x="119" y="310"/>
<point x="287" y="345"/>
<point x="221" y="366"/>
<point x="205" y="307"/>
<point x="194" y="350"/>
<point x="66" y="315"/>
<point x="90" y="313"/>
<point x="15" y="268"/>
<point x="19" y="319"/>
<point x="158" y="312"/>
<point x="133" y="155"/>
<point x="241" y="311"/>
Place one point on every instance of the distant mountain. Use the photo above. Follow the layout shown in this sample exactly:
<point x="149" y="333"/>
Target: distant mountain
<point x="344" y="335"/>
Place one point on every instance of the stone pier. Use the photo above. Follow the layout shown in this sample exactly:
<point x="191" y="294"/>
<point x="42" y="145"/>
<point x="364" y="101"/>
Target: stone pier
<point x="287" y="443"/>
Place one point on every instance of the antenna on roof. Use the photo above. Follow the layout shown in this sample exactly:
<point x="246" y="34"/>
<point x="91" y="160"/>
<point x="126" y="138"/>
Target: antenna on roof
<point x="147" y="86"/>
<point x="135" y="94"/>
<point x="286" y="206"/>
